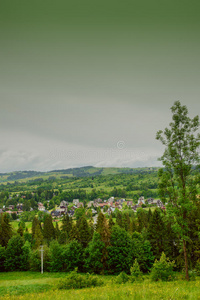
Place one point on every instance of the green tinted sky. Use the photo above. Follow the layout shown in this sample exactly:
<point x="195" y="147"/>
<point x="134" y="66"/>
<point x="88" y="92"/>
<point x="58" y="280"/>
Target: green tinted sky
<point x="77" y="77"/>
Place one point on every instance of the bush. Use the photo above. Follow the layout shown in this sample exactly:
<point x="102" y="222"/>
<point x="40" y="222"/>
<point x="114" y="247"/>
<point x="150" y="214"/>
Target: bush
<point x="136" y="274"/>
<point x="197" y="267"/>
<point x="2" y="258"/>
<point x="78" y="281"/>
<point x="122" y="278"/>
<point x="162" y="269"/>
<point x="35" y="260"/>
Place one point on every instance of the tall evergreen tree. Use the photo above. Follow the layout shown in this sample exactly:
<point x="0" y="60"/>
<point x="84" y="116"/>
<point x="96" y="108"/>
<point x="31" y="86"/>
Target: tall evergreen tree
<point x="84" y="232"/>
<point x="66" y="224"/>
<point x="49" y="230"/>
<point x="111" y="222"/>
<point x="142" y="216"/>
<point x="157" y="233"/>
<point x="5" y="229"/>
<point x="38" y="237"/>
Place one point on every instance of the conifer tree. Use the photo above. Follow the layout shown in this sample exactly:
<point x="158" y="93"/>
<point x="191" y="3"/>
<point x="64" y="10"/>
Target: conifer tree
<point x="38" y="237"/>
<point x="66" y="224"/>
<point x="20" y="231"/>
<point x="84" y="232"/>
<point x="119" y="219"/>
<point x="49" y="230"/>
<point x="34" y="224"/>
<point x="111" y="222"/>
<point x="74" y="233"/>
<point x="57" y="231"/>
<point x="103" y="229"/>
<point x="5" y="230"/>
<point x="133" y="226"/>
<point x="157" y="234"/>
<point x="142" y="219"/>
<point x="126" y="221"/>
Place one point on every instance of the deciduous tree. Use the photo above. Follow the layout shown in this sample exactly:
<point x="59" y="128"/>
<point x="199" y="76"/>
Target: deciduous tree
<point x="180" y="156"/>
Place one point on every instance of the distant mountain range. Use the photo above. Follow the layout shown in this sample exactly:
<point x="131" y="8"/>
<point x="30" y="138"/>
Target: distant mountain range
<point x="75" y="172"/>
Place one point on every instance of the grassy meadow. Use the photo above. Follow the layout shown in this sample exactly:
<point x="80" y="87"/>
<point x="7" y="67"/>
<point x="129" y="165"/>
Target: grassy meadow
<point x="32" y="285"/>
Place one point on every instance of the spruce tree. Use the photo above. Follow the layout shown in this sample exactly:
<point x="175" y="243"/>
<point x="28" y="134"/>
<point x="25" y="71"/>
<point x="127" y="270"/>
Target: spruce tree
<point x="74" y="233"/>
<point x="57" y="231"/>
<point x="84" y="232"/>
<point x="20" y="231"/>
<point x="111" y="222"/>
<point x="5" y="230"/>
<point x="66" y="224"/>
<point x="38" y="237"/>
<point x="49" y="230"/>
<point x="157" y="233"/>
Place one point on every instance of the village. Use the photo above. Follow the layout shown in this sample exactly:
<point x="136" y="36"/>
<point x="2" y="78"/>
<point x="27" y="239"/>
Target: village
<point x="95" y="206"/>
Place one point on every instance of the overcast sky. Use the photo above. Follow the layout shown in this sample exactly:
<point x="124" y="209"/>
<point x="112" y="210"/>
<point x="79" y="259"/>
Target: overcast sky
<point x="91" y="82"/>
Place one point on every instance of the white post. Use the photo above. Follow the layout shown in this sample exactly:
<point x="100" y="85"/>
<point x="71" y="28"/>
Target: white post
<point x="42" y="259"/>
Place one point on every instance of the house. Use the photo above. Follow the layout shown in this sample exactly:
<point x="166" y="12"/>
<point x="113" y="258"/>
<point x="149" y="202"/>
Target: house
<point x="90" y="204"/>
<point x="159" y="203"/>
<point x="41" y="207"/>
<point x="102" y="205"/>
<point x="10" y="207"/>
<point x="129" y="203"/>
<point x="80" y="204"/>
<point x="63" y="204"/>
<point x="156" y="203"/>
<point x="55" y="213"/>
<point x="111" y="199"/>
<point x="98" y="200"/>
<point x="141" y="200"/>
<point x="71" y="213"/>
<point x="110" y="210"/>
<point x="150" y="200"/>
<point x="20" y="206"/>
<point x="75" y="201"/>
<point x="134" y="207"/>
<point x="121" y="201"/>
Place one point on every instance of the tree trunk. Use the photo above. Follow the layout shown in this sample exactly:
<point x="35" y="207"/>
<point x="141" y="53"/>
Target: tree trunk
<point x="186" y="261"/>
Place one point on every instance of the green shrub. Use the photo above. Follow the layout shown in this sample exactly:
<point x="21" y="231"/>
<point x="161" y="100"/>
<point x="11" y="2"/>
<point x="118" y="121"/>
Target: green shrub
<point x="78" y="281"/>
<point x="122" y="278"/>
<point x="197" y="267"/>
<point x="136" y="274"/>
<point x="192" y="275"/>
<point x="162" y="269"/>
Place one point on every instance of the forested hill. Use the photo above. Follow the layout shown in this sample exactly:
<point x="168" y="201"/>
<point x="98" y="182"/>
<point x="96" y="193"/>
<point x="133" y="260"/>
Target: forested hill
<point x="87" y="171"/>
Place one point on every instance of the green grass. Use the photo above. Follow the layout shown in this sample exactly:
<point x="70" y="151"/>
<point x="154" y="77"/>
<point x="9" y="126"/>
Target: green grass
<point x="16" y="223"/>
<point x="35" y="286"/>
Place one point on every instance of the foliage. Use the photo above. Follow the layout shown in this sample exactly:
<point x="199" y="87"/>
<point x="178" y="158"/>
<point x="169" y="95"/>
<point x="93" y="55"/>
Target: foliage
<point x="94" y="254"/>
<point x="2" y="258"/>
<point x="176" y="186"/>
<point x="72" y="256"/>
<point x="35" y="260"/>
<point x="136" y="274"/>
<point x="119" y="251"/>
<point x="5" y="229"/>
<point x="77" y="281"/>
<point x="122" y="278"/>
<point x="142" y="251"/>
<point x="49" y="230"/>
<point x="162" y="269"/>
<point x="56" y="256"/>
<point x="17" y="254"/>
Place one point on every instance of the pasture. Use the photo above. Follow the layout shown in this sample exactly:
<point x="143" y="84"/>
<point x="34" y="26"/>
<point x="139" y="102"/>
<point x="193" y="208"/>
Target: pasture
<point x="33" y="285"/>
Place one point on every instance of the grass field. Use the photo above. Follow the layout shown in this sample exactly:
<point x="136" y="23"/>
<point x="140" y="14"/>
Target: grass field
<point x="32" y="285"/>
